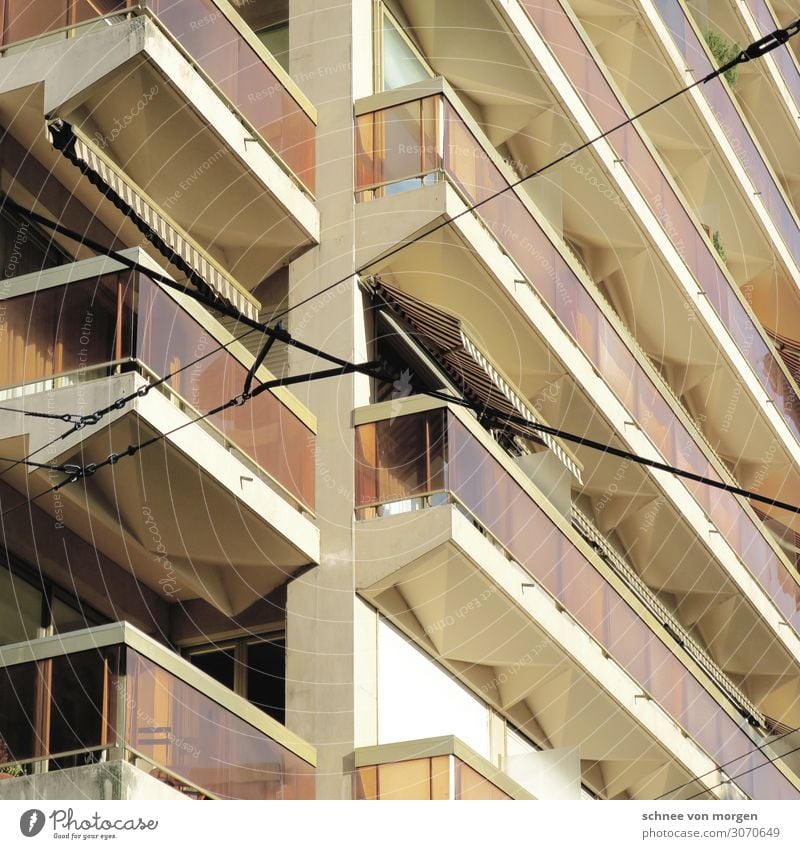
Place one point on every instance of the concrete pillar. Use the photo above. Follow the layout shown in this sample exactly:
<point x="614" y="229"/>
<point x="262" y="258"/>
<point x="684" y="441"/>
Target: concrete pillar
<point x="321" y="603"/>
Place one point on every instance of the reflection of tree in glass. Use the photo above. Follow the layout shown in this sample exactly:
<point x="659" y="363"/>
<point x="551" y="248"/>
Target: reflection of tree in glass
<point x="723" y="51"/>
<point x="11" y="770"/>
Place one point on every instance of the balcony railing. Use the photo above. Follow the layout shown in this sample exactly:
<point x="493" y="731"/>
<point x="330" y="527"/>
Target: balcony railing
<point x="409" y="462"/>
<point x="208" y="35"/>
<point x="589" y="80"/>
<point x="588" y="530"/>
<point x="719" y="99"/>
<point x="424" y="140"/>
<point x="64" y="334"/>
<point x="790" y="73"/>
<point x="112" y="693"/>
<point x="435" y="769"/>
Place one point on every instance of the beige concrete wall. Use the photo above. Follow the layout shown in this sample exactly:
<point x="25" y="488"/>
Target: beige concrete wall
<point x="320" y="677"/>
<point x="115" y="780"/>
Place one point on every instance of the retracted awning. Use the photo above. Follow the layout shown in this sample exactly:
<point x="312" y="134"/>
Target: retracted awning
<point x="443" y="336"/>
<point x="172" y="243"/>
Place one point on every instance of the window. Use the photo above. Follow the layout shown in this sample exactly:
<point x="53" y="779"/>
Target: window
<point x="20" y="609"/>
<point x="269" y="20"/>
<point x="31" y="606"/>
<point x="276" y="40"/>
<point x="254" y="667"/>
<point x="398" y="61"/>
<point x="25" y="248"/>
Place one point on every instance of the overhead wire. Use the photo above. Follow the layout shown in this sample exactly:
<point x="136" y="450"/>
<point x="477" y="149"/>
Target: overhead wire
<point x="277" y="333"/>
<point x="725" y="764"/>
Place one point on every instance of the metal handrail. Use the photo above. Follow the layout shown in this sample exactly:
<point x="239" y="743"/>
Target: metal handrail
<point x="584" y="525"/>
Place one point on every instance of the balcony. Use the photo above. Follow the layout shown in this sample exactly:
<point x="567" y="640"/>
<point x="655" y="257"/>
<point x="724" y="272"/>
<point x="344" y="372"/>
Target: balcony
<point x="705" y="265"/>
<point x="217" y="41"/>
<point x="719" y="99"/>
<point x="80" y="337"/>
<point x="435" y="769"/>
<point x="111" y="694"/>
<point x="186" y="104"/>
<point x="784" y="60"/>
<point x="426" y="141"/>
<point x="444" y="592"/>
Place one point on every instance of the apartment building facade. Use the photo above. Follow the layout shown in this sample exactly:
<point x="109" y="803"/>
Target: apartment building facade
<point x="406" y="580"/>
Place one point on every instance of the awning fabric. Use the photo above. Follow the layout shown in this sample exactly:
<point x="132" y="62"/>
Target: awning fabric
<point x="166" y="238"/>
<point x="444" y="338"/>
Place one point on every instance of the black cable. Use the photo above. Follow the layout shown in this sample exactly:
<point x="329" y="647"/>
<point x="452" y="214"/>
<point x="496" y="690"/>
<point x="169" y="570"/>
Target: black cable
<point x="484" y="413"/>
<point x="30" y="501"/>
<point x="63" y="417"/>
<point x="732" y="761"/>
<point x="78" y="472"/>
<point x="31" y="463"/>
<point x="755" y="50"/>
<point x="767" y="762"/>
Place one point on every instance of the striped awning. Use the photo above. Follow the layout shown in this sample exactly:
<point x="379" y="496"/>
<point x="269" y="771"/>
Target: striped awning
<point x="443" y="337"/>
<point x="175" y="245"/>
<point x="789" y="350"/>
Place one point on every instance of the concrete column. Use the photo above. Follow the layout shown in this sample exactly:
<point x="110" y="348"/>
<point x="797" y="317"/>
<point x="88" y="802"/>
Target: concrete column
<point x="321" y="603"/>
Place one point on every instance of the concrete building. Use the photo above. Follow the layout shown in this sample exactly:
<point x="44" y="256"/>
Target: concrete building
<point x="385" y="584"/>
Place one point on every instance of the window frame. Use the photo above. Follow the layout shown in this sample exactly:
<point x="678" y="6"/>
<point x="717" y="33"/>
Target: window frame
<point x="381" y="11"/>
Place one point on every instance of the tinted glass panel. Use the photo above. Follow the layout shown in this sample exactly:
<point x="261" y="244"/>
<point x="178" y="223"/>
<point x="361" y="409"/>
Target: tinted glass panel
<point x="266" y="677"/>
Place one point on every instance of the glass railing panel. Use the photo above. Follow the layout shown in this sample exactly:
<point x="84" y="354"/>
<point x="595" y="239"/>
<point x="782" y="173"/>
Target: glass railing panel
<point x="471" y="786"/>
<point x="595" y="604"/>
<point x="219" y="49"/>
<point x="397" y="144"/>
<point x="424" y="779"/>
<point x="24" y="19"/>
<point x="767" y="24"/>
<point x="733" y="126"/>
<point x="121" y="316"/>
<point x="503" y="507"/>
<point x="400" y="459"/>
<point x="537" y="257"/>
<point x="63" y="329"/>
<point x="572" y="53"/>
<point x="237" y="69"/>
<point x="168" y="339"/>
<point x="185" y="732"/>
<point x="61" y="710"/>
